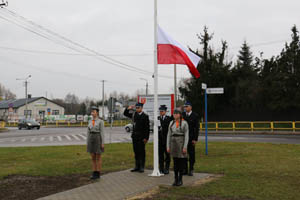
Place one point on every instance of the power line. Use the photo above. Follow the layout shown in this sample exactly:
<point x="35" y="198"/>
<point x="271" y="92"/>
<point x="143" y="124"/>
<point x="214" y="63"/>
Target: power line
<point x="68" y="54"/>
<point x="66" y="74"/>
<point x="109" y="60"/>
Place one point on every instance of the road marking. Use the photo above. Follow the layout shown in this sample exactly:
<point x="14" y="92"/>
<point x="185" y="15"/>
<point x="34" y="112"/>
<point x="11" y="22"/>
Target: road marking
<point x="82" y="136"/>
<point x="76" y="138"/>
<point x="59" y="138"/>
<point x="68" y="137"/>
<point x="12" y="140"/>
<point x="23" y="140"/>
<point x="33" y="139"/>
<point x="42" y="139"/>
<point x="51" y="138"/>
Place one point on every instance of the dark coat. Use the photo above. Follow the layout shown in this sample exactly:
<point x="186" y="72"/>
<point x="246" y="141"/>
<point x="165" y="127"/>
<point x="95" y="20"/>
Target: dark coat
<point x="163" y="128"/>
<point x="194" y="124"/>
<point x="141" y="124"/>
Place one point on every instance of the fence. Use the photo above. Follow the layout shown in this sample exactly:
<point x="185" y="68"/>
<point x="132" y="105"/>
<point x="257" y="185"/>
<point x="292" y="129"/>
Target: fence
<point x="2" y="124"/>
<point x="253" y="126"/>
<point x="212" y="126"/>
<point x="69" y="124"/>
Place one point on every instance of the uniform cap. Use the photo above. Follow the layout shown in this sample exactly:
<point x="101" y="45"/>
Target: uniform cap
<point x="163" y="107"/>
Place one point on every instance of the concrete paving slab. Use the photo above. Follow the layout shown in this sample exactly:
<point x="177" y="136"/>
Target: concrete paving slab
<point x="121" y="185"/>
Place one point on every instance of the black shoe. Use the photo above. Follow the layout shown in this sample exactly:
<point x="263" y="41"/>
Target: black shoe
<point x="141" y="170"/>
<point x="166" y="171"/>
<point x="191" y="173"/>
<point x="176" y="179"/>
<point x="135" y="169"/>
<point x="142" y="166"/>
<point x="94" y="176"/>
<point x="179" y="183"/>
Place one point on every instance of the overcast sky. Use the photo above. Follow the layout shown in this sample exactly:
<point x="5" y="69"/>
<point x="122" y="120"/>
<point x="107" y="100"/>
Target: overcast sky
<point x="123" y="30"/>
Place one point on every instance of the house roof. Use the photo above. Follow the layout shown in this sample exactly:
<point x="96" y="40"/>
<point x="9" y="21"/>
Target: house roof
<point x="16" y="103"/>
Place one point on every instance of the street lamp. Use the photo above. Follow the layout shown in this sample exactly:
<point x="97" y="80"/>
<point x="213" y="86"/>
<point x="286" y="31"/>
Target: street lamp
<point x="146" y="84"/>
<point x="26" y="95"/>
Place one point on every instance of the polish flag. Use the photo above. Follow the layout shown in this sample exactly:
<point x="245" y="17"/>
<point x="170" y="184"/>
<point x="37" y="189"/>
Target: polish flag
<point x="170" y="51"/>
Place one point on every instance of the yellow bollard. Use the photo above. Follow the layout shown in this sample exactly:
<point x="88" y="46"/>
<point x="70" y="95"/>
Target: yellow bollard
<point x="233" y="126"/>
<point x="272" y="126"/>
<point x="56" y="123"/>
<point x="217" y="126"/>
<point x="294" y="127"/>
<point x="252" y="126"/>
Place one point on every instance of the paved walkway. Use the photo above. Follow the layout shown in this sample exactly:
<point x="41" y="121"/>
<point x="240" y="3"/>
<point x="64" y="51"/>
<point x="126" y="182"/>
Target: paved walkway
<point x="121" y="185"/>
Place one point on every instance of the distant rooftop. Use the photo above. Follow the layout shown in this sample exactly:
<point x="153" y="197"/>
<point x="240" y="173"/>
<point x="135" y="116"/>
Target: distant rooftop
<point x="16" y="103"/>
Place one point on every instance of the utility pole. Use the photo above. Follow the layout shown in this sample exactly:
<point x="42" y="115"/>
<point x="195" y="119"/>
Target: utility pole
<point x="103" y="81"/>
<point x="146" y="85"/>
<point x="26" y="94"/>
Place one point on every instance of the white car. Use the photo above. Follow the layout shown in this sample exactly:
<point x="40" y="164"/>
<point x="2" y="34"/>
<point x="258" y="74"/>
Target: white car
<point x="128" y="127"/>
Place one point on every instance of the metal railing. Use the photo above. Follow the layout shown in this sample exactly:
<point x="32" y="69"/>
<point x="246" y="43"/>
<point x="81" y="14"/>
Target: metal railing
<point x="253" y="126"/>
<point x="2" y="124"/>
<point x="292" y="126"/>
<point x="69" y="124"/>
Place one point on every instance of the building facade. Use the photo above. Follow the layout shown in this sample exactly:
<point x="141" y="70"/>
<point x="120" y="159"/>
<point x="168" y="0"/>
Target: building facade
<point x="35" y="108"/>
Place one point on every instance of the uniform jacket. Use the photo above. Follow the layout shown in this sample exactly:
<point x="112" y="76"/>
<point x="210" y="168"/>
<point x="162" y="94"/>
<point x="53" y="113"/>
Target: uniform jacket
<point x="163" y="128"/>
<point x="97" y="128"/>
<point x="178" y="138"/>
<point x="193" y="121"/>
<point x="141" y="124"/>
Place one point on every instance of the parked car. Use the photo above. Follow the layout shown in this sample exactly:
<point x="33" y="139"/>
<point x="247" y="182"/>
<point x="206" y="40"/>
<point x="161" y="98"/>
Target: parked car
<point x="129" y="127"/>
<point x="28" y="124"/>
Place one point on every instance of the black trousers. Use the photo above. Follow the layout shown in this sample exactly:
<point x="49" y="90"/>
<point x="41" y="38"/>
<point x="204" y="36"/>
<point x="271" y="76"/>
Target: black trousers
<point x="139" y="150"/>
<point x="191" y="153"/>
<point x="179" y="164"/>
<point x="164" y="156"/>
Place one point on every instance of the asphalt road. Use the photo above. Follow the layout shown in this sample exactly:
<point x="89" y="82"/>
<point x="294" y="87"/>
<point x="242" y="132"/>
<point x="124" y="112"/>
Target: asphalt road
<point x="77" y="136"/>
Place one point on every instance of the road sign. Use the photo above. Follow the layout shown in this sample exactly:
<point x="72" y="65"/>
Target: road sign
<point x="215" y="90"/>
<point x="204" y="86"/>
<point x="111" y="105"/>
<point x="163" y="99"/>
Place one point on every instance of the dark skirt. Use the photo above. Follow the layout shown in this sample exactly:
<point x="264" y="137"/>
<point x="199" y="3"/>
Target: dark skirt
<point x="94" y="142"/>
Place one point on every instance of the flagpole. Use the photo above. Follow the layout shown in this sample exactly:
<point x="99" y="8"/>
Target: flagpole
<point x="155" y="128"/>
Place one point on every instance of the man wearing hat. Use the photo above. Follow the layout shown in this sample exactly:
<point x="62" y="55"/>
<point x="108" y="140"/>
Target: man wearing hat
<point x="192" y="119"/>
<point x="164" y="156"/>
<point x="140" y="134"/>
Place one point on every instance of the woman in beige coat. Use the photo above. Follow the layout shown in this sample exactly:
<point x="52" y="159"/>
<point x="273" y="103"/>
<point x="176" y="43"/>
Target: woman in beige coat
<point x="177" y="141"/>
<point x="95" y="141"/>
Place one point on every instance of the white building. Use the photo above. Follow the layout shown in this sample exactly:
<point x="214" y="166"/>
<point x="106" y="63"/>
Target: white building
<point x="35" y="107"/>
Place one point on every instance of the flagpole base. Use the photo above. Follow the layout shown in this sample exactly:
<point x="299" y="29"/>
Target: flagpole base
<point x="156" y="173"/>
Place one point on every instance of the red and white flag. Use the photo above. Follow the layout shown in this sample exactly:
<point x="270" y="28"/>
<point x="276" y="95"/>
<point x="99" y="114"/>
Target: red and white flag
<point x="170" y="51"/>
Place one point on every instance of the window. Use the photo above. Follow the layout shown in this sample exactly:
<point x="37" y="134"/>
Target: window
<point x="27" y="112"/>
<point x="55" y="112"/>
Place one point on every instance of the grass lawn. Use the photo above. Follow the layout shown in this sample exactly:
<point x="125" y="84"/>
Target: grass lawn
<point x="251" y="171"/>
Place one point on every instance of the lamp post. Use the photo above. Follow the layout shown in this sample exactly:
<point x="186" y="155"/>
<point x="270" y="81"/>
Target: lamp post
<point x="146" y="84"/>
<point x="26" y="95"/>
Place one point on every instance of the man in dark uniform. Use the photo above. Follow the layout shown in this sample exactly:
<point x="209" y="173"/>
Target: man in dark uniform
<point x="164" y="156"/>
<point x="192" y="119"/>
<point x="140" y="134"/>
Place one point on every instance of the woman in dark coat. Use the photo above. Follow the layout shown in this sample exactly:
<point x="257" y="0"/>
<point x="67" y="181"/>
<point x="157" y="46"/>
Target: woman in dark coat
<point x="95" y="142"/>
<point x="177" y="141"/>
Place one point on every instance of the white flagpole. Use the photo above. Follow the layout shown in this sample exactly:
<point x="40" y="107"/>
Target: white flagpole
<point x="155" y="139"/>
